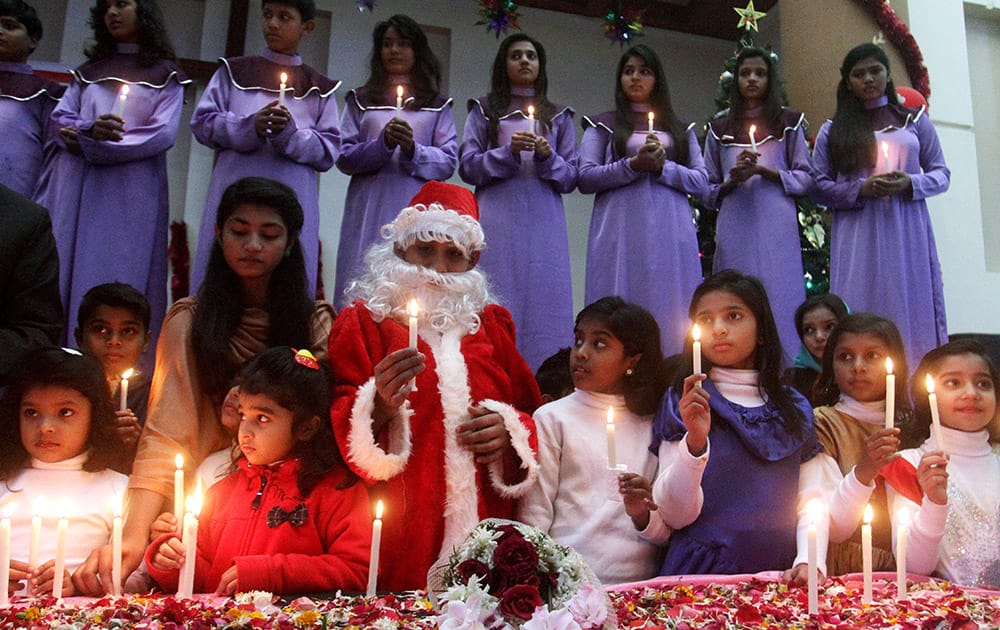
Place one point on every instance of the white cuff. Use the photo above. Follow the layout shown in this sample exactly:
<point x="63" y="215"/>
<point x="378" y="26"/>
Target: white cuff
<point x="520" y="441"/>
<point x="363" y="451"/>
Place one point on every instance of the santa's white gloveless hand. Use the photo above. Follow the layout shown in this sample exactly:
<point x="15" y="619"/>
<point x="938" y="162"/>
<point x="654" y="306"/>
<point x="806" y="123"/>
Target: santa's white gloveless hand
<point x="392" y="382"/>
<point x="484" y="435"/>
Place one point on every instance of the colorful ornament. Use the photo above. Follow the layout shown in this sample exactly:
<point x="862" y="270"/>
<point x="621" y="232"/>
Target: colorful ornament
<point x="622" y="25"/>
<point x="749" y="16"/>
<point x="498" y="15"/>
<point x="366" y="5"/>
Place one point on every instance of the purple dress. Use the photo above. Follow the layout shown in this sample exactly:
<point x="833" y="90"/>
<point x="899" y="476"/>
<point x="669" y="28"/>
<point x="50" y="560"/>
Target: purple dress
<point x="309" y="145"/>
<point x="750" y="485"/>
<point x="882" y="253"/>
<point x="384" y="180"/>
<point x="29" y="136"/>
<point x="643" y="244"/>
<point x="109" y="207"/>
<point x="758" y="227"/>
<point x="521" y="211"/>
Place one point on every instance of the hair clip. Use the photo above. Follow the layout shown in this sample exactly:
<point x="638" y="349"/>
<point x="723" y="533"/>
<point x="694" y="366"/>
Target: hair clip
<point x="306" y="358"/>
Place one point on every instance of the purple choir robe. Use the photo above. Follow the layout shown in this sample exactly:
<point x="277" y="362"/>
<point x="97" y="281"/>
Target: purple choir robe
<point x="29" y="136"/>
<point x="110" y="207"/>
<point x="521" y="211"/>
<point x="882" y="253"/>
<point x="758" y="227"/>
<point x="382" y="180"/>
<point x="643" y="244"/>
<point x="309" y="145"/>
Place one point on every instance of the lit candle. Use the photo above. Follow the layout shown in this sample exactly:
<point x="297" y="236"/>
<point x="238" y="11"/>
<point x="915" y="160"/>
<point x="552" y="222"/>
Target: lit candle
<point x="612" y="452"/>
<point x="5" y="556"/>
<point x="866" y="555"/>
<point x="57" y="579"/>
<point x="890" y="394"/>
<point x="815" y="510"/>
<point x="753" y="138"/>
<point x="413" y="311"/>
<point x="373" y="556"/>
<point x="179" y="491"/>
<point x="122" y="97"/>
<point x="901" y="533"/>
<point x="127" y="374"/>
<point x="531" y="117"/>
<point x="885" y="156"/>
<point x="696" y="348"/>
<point x="36" y="534"/>
<point x="281" y="89"/>
<point x="399" y="97"/>
<point x="935" y="416"/>
<point x="651" y="117"/>
<point x="185" y="584"/>
<point x="116" y="549"/>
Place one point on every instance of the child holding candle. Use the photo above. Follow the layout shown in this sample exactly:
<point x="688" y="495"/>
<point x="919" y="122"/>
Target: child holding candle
<point x="615" y="363"/>
<point x="882" y="254"/>
<point x="753" y="183"/>
<point x="641" y="229"/>
<point x="953" y="499"/>
<point x="290" y="518"/>
<point x="57" y="425"/>
<point x="520" y="178"/>
<point x="815" y="320"/>
<point x="242" y="117"/>
<point x="738" y="461"/>
<point x="850" y="424"/>
<point x="390" y="153"/>
<point x="107" y="191"/>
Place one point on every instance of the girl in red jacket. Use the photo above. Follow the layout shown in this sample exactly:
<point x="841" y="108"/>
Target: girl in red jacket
<point x="289" y="518"/>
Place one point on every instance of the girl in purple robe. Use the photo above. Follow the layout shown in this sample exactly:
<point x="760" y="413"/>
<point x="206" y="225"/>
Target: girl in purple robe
<point x="522" y="161"/>
<point x="397" y="133"/>
<point x="643" y="163"/>
<point x="107" y="190"/>
<point x="753" y="182"/>
<point x="876" y="163"/>
<point x="257" y="131"/>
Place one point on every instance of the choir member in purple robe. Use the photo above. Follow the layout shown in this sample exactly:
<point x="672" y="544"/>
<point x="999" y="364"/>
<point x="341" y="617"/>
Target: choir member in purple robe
<point x="519" y="151"/>
<point x="643" y="244"/>
<point x="397" y="132"/>
<point x="258" y="131"/>
<point x="876" y="163"/>
<point x="107" y="190"/>
<point x="753" y="183"/>
<point x="26" y="100"/>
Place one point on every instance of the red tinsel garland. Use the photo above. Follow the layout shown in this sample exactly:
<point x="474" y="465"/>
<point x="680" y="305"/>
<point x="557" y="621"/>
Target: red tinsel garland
<point x="897" y="33"/>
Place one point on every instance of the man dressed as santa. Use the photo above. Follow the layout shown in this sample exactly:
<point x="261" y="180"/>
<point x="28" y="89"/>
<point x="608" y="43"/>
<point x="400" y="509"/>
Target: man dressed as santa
<point x="459" y="446"/>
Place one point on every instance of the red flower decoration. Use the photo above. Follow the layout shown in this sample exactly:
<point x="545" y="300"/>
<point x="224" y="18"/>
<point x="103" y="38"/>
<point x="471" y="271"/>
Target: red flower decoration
<point x="520" y="601"/>
<point x="516" y="559"/>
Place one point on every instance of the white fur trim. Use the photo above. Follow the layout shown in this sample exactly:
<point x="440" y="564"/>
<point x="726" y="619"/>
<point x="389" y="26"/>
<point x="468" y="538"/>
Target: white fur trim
<point x="361" y="447"/>
<point x="519" y="440"/>
<point x="435" y="223"/>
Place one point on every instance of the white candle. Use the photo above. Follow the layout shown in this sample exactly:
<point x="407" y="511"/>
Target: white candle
<point x="935" y="416"/>
<point x="185" y="584"/>
<point x="281" y="89"/>
<point x="399" y="97"/>
<point x="36" y="534"/>
<point x="116" y="549"/>
<point x="57" y="579"/>
<point x="890" y="394"/>
<point x="696" y="349"/>
<point x="122" y="97"/>
<point x="531" y="117"/>
<point x="179" y="491"/>
<point x="753" y="138"/>
<point x="414" y="310"/>
<point x="811" y="553"/>
<point x="651" y="117"/>
<point x="4" y="558"/>
<point x="127" y="374"/>
<point x="373" y="556"/>
<point x="901" y="533"/>
<point x="866" y="555"/>
<point x="612" y="451"/>
<point x="885" y="156"/>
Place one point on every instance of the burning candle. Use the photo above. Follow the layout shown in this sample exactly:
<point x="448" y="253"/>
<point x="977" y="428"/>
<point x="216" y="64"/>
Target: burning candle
<point x="373" y="556"/>
<point x="885" y="156"/>
<point x="890" y="394"/>
<point x="36" y="534"/>
<point x="753" y="138"/>
<point x="901" y="533"/>
<point x="281" y="89"/>
<point x="116" y="549"/>
<point x="413" y="311"/>
<point x="127" y="374"/>
<point x="185" y="585"/>
<point x="57" y="579"/>
<point x="122" y="97"/>
<point x="651" y="117"/>
<point x="696" y="348"/>
<point x="179" y="491"/>
<point x="866" y="555"/>
<point x="399" y="97"/>
<point x="935" y="416"/>
<point x="5" y="556"/>
<point x="531" y="117"/>
<point x="814" y="510"/>
<point x="612" y="451"/>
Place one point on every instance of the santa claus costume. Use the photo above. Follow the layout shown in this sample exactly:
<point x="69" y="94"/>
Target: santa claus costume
<point x="433" y="489"/>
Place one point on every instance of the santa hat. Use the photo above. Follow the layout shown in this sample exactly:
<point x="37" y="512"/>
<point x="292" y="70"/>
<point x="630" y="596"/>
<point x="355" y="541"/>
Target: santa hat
<point x="439" y="212"/>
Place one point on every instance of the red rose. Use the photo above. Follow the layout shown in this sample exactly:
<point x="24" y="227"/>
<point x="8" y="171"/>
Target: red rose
<point x="520" y="601"/>
<point x="472" y="567"/>
<point x="516" y="559"/>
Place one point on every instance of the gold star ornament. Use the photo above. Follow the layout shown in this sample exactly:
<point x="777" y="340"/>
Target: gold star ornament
<point x="748" y="16"/>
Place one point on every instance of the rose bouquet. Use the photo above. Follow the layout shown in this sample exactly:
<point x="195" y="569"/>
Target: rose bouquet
<point x="510" y="575"/>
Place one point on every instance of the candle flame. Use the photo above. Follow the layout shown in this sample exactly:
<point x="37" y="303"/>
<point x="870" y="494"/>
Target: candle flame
<point x="40" y="506"/>
<point x="869" y="514"/>
<point x="8" y="510"/>
<point x="399" y="91"/>
<point x="695" y="332"/>
<point x="194" y="501"/>
<point x="888" y="365"/>
<point x="378" y="509"/>
<point x="284" y="77"/>
<point x="65" y="508"/>
<point x="125" y="90"/>
<point x="885" y="148"/>
<point x="753" y="130"/>
<point x="651" y="116"/>
<point x="412" y="309"/>
<point x="127" y="374"/>
<point x="531" y="111"/>
<point x="903" y="517"/>
<point x="814" y="509"/>
<point x="930" y="384"/>
<point x="611" y="416"/>
<point x="179" y="460"/>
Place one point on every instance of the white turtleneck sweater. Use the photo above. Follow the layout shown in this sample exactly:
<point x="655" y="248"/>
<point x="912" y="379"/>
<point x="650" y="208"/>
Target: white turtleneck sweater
<point x="571" y="500"/>
<point x="959" y="541"/>
<point x="86" y="499"/>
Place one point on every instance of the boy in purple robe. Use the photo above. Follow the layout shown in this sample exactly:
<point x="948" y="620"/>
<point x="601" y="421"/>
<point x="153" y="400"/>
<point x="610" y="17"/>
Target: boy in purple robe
<point x="260" y="125"/>
<point x="26" y="100"/>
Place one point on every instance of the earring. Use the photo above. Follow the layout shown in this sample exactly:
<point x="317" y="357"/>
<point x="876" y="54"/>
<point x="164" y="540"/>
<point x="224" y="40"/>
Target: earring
<point x="628" y="372"/>
<point x="288" y="251"/>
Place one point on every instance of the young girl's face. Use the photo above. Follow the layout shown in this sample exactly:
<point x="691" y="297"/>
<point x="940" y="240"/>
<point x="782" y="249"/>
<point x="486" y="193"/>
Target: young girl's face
<point x="859" y="366"/>
<point x="867" y="79"/>
<point x="817" y="325"/>
<point x="638" y="80"/>
<point x="598" y="361"/>
<point x="253" y="239"/>
<point x="397" y="52"/>
<point x="55" y="423"/>
<point x="966" y="392"/>
<point x="266" y="435"/>
<point x="121" y="18"/>
<point x="729" y="335"/>
<point x="522" y="64"/>
<point x="752" y="81"/>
